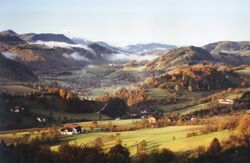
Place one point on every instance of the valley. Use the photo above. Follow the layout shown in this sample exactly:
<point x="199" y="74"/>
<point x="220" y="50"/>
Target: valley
<point x="55" y="91"/>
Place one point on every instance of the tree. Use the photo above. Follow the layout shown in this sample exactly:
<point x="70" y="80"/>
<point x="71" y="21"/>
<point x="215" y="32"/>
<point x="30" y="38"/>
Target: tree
<point x="71" y="96"/>
<point x="45" y="155"/>
<point x="215" y="147"/>
<point x="162" y="156"/>
<point x="63" y="93"/>
<point x="98" y="143"/>
<point x="141" y="147"/>
<point x="118" y="153"/>
<point x="116" y="107"/>
<point x="244" y="127"/>
<point x="177" y="88"/>
<point x="142" y="158"/>
<point x="199" y="151"/>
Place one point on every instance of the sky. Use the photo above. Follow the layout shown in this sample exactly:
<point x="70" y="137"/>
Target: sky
<point x="123" y="22"/>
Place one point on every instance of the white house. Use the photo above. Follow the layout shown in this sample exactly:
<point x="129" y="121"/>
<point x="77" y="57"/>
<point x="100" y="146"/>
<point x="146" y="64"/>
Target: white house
<point x="226" y="101"/>
<point x="71" y="130"/>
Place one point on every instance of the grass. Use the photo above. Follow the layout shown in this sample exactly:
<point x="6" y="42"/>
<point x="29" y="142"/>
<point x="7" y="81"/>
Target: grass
<point x="158" y="93"/>
<point x="126" y="122"/>
<point x="244" y="72"/>
<point x="37" y="131"/>
<point x="154" y="137"/>
<point x="183" y="101"/>
<point x="193" y="108"/>
<point x="60" y="115"/>
<point x="95" y="92"/>
<point x="134" y="68"/>
<point x="37" y="108"/>
<point x="16" y="88"/>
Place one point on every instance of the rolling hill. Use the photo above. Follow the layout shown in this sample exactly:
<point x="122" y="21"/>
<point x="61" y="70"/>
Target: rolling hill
<point x="230" y="52"/>
<point x="227" y="46"/>
<point x="199" y="77"/>
<point x="51" y="52"/>
<point x="32" y="37"/>
<point x="141" y="48"/>
<point x="180" y="56"/>
<point x="11" y="70"/>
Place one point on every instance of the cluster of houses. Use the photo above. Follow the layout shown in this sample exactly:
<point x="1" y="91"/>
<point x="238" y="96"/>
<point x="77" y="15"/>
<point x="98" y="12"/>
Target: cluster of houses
<point x="75" y="129"/>
<point x="145" y="113"/>
<point x="17" y="109"/>
<point x="41" y="120"/>
<point x="226" y="101"/>
<point x="72" y="130"/>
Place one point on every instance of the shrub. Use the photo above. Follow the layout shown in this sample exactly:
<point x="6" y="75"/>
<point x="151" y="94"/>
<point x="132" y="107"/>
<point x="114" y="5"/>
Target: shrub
<point x="119" y="154"/>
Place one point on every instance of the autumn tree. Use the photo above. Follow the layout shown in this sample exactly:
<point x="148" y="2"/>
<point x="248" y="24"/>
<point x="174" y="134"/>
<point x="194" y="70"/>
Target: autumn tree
<point x="118" y="153"/>
<point x="214" y="147"/>
<point x="162" y="156"/>
<point x="141" y="147"/>
<point x="244" y="128"/>
<point x="98" y="143"/>
<point x="62" y="93"/>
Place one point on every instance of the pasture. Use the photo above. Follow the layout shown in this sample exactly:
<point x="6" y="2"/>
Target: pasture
<point x="244" y="72"/>
<point x="16" y="88"/>
<point x="173" y="138"/>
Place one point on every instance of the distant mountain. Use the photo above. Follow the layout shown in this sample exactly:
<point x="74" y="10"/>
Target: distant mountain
<point x="11" y="70"/>
<point x="177" y="57"/>
<point x="32" y="37"/>
<point x="99" y="49"/>
<point x="199" y="77"/>
<point x="50" y="54"/>
<point x="10" y="37"/>
<point x="106" y="45"/>
<point x="141" y="48"/>
<point x="227" y="46"/>
<point x="8" y="32"/>
<point x="230" y="52"/>
<point x="80" y="41"/>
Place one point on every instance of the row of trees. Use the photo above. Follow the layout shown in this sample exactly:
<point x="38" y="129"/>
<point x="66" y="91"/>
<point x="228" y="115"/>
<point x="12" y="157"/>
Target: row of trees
<point x="36" y="153"/>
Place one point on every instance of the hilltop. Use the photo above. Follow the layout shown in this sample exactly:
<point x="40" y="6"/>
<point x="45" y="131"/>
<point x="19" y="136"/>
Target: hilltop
<point x="180" y="56"/>
<point x="200" y="77"/>
<point x="11" y="70"/>
<point x="230" y="52"/>
<point x="51" y="52"/>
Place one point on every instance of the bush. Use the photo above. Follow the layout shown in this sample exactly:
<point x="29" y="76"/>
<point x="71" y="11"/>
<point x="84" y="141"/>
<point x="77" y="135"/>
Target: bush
<point x="119" y="154"/>
<point x="215" y="147"/>
<point x="163" y="156"/>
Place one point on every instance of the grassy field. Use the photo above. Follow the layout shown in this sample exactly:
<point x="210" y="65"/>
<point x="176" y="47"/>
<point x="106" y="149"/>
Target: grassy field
<point x="114" y="122"/>
<point x="158" y="93"/>
<point x="16" y="88"/>
<point x="154" y="137"/>
<point x="245" y="72"/>
<point x="193" y="108"/>
<point x="134" y="68"/>
<point x="95" y="92"/>
<point x="60" y="115"/>
<point x="184" y="100"/>
<point x="21" y="132"/>
<point x="37" y="108"/>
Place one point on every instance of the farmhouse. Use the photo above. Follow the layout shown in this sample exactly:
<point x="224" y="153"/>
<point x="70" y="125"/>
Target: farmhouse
<point x="71" y="130"/>
<point x="226" y="101"/>
<point x="17" y="109"/>
<point x="151" y="119"/>
<point x="41" y="119"/>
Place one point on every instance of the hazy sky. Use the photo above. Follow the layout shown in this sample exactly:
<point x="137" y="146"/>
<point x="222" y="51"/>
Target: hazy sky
<point x="181" y="22"/>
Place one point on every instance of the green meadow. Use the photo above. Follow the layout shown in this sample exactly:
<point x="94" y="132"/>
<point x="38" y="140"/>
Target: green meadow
<point x="173" y="138"/>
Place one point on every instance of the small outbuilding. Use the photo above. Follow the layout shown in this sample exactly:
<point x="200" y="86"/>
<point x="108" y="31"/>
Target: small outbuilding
<point x="71" y="130"/>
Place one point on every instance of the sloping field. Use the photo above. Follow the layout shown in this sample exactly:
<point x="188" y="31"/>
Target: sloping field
<point x="173" y="138"/>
